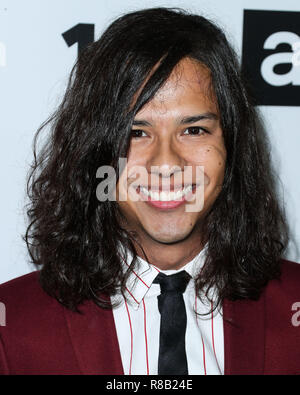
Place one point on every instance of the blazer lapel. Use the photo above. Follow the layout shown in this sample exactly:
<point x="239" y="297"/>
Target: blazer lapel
<point x="94" y="339"/>
<point x="244" y="336"/>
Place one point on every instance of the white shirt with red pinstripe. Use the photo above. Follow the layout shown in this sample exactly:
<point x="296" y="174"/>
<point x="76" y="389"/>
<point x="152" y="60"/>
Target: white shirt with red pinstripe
<point x="137" y="321"/>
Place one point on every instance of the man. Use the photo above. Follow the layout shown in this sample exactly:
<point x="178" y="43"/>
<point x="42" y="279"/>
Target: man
<point x="181" y="273"/>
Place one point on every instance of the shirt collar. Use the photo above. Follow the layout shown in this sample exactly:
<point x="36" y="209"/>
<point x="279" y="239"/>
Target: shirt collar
<point x="141" y="278"/>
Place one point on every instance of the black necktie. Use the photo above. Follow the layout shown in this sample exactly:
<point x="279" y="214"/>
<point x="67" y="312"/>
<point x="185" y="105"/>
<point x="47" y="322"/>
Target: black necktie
<point x="172" y="355"/>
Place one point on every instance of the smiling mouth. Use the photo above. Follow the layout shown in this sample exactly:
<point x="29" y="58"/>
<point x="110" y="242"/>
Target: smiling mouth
<point x="166" y="199"/>
<point x="165" y="195"/>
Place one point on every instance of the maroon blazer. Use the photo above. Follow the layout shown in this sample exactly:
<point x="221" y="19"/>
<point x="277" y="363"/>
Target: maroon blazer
<point x="43" y="337"/>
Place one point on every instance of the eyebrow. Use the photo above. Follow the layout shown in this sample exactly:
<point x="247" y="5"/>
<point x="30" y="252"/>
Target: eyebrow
<point x="195" y="118"/>
<point x="186" y="120"/>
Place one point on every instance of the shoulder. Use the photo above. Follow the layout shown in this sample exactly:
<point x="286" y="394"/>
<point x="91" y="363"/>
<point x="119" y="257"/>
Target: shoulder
<point x="281" y="321"/>
<point x="25" y="300"/>
<point x="282" y="293"/>
<point x="289" y="280"/>
<point x="35" y="336"/>
<point x="22" y="289"/>
<point x="290" y="268"/>
<point x="27" y="281"/>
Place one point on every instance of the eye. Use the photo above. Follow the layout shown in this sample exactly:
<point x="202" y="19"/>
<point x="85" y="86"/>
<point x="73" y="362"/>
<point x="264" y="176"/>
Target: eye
<point x="195" y="131"/>
<point x="137" y="133"/>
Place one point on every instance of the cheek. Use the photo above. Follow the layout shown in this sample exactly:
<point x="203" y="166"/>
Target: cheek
<point x="213" y="159"/>
<point x="133" y="173"/>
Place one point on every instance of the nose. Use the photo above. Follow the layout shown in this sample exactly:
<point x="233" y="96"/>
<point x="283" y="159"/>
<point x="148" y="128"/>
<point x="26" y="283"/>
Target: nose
<point x="166" y="159"/>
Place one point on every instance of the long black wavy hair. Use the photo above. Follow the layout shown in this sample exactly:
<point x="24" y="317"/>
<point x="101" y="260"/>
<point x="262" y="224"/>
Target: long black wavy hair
<point x="72" y="237"/>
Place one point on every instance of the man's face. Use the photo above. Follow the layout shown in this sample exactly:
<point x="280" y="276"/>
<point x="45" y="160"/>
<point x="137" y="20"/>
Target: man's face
<point x="178" y="129"/>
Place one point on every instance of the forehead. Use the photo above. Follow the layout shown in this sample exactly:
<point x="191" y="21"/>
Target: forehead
<point x="188" y="86"/>
<point x="188" y="73"/>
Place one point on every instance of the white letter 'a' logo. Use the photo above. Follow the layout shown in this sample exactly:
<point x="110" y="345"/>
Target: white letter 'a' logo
<point x="267" y="66"/>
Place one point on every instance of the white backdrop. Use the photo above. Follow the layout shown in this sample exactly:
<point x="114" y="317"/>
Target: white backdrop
<point x="34" y="65"/>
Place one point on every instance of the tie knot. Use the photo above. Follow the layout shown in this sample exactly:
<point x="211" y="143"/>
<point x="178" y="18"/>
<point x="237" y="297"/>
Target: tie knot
<point x="174" y="283"/>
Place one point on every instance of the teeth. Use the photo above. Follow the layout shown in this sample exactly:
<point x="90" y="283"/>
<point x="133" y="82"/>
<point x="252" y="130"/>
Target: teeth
<point x="164" y="196"/>
<point x="154" y="195"/>
<point x="167" y="196"/>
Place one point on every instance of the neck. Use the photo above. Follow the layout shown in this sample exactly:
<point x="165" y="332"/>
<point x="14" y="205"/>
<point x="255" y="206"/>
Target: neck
<point x="169" y="256"/>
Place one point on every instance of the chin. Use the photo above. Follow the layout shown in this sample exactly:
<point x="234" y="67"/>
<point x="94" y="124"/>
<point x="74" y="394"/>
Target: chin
<point x="169" y="238"/>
